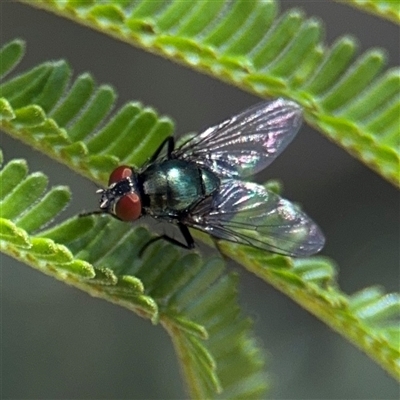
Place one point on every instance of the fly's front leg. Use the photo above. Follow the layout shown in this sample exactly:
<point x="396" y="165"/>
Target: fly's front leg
<point x="89" y="213"/>
<point x="170" y="142"/>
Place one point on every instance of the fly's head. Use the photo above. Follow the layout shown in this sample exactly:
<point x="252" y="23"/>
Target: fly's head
<point x="120" y="198"/>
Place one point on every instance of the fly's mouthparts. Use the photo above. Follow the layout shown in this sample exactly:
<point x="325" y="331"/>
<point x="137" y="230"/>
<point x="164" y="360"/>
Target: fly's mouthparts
<point x="104" y="203"/>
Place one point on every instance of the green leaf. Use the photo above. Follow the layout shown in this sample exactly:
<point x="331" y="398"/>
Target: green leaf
<point x="42" y="212"/>
<point x="245" y="43"/>
<point x="9" y="232"/>
<point x="27" y="192"/>
<point x="10" y="55"/>
<point x="383" y="8"/>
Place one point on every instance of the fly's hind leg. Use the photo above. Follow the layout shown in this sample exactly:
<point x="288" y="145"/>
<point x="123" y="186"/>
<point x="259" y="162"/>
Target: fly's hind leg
<point x="98" y="212"/>
<point x="186" y="234"/>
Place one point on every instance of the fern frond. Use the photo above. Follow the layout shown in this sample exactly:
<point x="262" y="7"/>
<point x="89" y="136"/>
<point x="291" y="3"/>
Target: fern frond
<point x="383" y="8"/>
<point x="71" y="122"/>
<point x="369" y="318"/>
<point x="194" y="300"/>
<point x="245" y="43"/>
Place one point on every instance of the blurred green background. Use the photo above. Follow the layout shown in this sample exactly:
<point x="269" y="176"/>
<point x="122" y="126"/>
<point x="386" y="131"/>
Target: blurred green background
<point x="59" y="343"/>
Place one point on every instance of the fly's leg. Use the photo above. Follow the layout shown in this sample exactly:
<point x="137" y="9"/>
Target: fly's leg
<point x="170" y="142"/>
<point x="186" y="234"/>
<point x="89" y="213"/>
<point x="98" y="212"/>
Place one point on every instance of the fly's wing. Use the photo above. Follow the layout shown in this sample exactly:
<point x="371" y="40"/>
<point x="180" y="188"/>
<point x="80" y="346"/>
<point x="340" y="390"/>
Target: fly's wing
<point x="247" y="142"/>
<point x="246" y="213"/>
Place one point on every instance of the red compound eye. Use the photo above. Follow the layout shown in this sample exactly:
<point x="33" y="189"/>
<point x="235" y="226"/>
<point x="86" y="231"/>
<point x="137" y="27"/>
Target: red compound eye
<point x="120" y="173"/>
<point x="128" y="207"/>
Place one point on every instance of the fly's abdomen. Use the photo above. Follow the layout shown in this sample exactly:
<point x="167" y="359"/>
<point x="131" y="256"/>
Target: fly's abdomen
<point x="173" y="186"/>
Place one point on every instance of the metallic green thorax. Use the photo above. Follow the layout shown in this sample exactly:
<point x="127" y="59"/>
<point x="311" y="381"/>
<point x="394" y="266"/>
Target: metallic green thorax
<point x="172" y="187"/>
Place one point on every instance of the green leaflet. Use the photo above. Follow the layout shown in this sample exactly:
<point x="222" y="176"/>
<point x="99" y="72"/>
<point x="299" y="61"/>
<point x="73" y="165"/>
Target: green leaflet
<point x="194" y="300"/>
<point x="247" y="44"/>
<point x="382" y="8"/>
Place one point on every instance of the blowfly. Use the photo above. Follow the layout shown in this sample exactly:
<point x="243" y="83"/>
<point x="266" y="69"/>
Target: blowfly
<point x="200" y="185"/>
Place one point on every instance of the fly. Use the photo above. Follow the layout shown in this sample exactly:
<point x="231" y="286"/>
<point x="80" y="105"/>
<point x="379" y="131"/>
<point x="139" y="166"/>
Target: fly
<point x="200" y="185"/>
